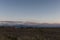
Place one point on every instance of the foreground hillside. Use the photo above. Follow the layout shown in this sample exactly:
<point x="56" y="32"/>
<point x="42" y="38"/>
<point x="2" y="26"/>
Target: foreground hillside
<point x="8" y="33"/>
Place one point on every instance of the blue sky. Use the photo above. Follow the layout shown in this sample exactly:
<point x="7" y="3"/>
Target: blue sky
<point x="46" y="11"/>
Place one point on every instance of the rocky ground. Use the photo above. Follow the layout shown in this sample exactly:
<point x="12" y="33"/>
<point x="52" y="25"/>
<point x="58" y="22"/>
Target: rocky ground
<point x="8" y="33"/>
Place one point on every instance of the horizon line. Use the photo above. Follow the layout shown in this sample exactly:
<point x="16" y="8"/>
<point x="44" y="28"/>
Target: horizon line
<point x="31" y="22"/>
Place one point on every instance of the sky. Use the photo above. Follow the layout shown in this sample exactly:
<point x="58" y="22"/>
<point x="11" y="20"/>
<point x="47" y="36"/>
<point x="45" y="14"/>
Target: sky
<point x="43" y="11"/>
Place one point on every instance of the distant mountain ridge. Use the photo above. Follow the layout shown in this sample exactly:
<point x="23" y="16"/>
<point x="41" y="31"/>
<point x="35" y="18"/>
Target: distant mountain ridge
<point x="18" y="23"/>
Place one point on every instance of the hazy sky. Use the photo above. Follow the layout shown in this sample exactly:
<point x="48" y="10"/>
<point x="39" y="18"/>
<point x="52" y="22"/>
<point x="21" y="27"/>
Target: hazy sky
<point x="30" y="10"/>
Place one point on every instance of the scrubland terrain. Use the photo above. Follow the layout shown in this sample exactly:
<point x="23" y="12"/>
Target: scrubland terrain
<point x="11" y="33"/>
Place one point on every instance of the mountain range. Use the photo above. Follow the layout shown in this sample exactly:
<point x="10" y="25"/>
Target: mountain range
<point x="28" y="24"/>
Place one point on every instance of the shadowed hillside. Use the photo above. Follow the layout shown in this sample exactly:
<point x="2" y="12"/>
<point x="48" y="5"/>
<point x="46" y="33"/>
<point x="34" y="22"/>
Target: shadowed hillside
<point x="11" y="33"/>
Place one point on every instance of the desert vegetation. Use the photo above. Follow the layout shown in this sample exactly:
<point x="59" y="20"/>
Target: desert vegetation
<point x="12" y="33"/>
